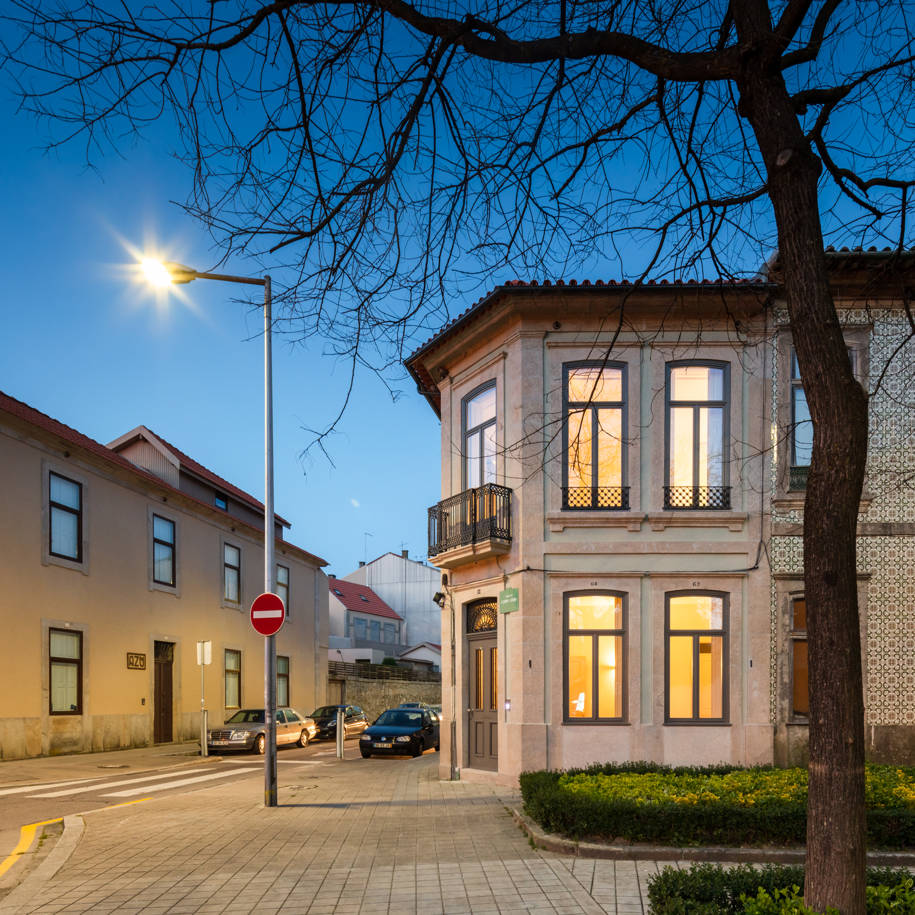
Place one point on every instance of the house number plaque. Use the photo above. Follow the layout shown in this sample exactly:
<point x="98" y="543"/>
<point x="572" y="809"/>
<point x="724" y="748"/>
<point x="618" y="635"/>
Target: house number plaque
<point x="136" y="660"/>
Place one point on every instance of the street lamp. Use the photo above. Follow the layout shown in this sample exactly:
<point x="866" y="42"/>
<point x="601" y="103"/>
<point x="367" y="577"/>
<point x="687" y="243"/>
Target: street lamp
<point x="165" y="274"/>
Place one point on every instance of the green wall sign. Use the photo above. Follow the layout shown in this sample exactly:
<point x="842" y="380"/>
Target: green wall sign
<point x="508" y="600"/>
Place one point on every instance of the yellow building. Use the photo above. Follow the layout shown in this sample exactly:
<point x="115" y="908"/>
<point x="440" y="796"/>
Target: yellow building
<point x="116" y="561"/>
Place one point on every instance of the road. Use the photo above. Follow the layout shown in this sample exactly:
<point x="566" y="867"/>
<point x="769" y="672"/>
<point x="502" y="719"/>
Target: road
<point x="44" y="791"/>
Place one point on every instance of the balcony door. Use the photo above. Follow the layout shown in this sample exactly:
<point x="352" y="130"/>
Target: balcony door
<point x="483" y="685"/>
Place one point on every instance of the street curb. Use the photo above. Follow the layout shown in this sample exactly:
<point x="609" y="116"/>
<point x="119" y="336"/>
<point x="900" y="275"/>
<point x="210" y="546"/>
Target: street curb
<point x="549" y="841"/>
<point x="36" y="883"/>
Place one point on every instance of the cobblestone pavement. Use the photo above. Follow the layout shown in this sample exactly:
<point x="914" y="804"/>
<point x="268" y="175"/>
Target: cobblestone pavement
<point x="366" y="836"/>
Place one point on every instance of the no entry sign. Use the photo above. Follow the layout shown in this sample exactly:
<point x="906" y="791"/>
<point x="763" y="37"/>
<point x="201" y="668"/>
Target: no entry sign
<point x="268" y="614"/>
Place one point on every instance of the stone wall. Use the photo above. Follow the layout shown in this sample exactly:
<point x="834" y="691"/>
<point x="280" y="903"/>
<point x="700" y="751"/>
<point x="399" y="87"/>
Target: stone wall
<point x="374" y="696"/>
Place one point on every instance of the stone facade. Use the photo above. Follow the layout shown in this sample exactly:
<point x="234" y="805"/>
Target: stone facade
<point x="509" y="684"/>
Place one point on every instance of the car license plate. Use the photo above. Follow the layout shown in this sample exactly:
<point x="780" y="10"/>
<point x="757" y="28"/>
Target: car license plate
<point x="220" y="743"/>
<point x="384" y="746"/>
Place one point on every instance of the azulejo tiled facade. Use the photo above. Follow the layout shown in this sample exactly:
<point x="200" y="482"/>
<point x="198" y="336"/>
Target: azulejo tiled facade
<point x="622" y="508"/>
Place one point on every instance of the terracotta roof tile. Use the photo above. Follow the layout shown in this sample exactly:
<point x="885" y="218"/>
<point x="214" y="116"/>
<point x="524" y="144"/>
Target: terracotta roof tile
<point x="360" y="599"/>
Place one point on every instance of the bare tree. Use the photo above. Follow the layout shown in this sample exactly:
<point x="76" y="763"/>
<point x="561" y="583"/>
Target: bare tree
<point x="392" y="153"/>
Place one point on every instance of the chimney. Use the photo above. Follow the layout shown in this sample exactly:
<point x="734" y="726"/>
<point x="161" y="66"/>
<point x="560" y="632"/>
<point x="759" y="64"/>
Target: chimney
<point x="331" y="575"/>
<point x="405" y="554"/>
<point x="361" y="563"/>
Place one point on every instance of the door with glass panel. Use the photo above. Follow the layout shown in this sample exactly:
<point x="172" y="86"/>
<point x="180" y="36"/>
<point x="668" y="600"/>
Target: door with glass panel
<point x="483" y="685"/>
<point x="479" y="461"/>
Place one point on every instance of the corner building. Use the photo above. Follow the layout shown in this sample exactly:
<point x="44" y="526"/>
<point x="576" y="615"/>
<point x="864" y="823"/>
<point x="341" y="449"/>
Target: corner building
<point x="629" y="463"/>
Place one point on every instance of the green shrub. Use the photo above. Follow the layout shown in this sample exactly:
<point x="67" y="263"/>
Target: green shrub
<point x="729" y="805"/>
<point x="711" y="889"/>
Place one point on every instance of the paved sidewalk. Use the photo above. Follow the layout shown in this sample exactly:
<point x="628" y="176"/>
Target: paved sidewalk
<point x="358" y="836"/>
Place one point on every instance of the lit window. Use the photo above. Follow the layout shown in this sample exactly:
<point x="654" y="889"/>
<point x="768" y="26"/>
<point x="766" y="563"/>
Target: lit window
<point x="66" y="518"/>
<point x="231" y="574"/>
<point x="163" y="551"/>
<point x="480" y="438"/>
<point x="696" y="646"/>
<point x="65" y="669"/>
<point x="697" y="430"/>
<point x="595" y="449"/>
<point x="233" y="678"/>
<point x="595" y="643"/>
<point x="282" y="680"/>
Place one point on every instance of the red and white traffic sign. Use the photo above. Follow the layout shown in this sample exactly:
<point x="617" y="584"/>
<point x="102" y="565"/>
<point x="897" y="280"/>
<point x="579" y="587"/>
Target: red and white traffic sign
<point x="268" y="613"/>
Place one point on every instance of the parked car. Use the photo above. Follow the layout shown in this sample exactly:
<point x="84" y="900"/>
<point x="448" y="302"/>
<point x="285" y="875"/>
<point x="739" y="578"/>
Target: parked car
<point x="246" y="730"/>
<point x="354" y="721"/>
<point x="435" y="710"/>
<point x="401" y="732"/>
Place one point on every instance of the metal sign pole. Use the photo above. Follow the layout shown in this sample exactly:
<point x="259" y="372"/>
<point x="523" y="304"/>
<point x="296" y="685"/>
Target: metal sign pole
<point x="270" y="798"/>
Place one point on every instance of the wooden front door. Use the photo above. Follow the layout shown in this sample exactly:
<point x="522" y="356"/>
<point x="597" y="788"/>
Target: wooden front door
<point x="483" y="685"/>
<point x="162" y="693"/>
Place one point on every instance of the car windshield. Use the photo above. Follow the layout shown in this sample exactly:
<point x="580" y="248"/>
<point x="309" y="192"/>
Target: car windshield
<point x="401" y="718"/>
<point x="325" y="711"/>
<point x="247" y="716"/>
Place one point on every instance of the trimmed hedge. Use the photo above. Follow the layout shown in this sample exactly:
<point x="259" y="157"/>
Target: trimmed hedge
<point x="710" y="889"/>
<point x="718" y="805"/>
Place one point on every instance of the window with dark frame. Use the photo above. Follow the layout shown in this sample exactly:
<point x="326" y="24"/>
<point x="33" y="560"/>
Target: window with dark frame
<point x="594" y="469"/>
<point x="479" y="437"/>
<point x="595" y="657"/>
<point x="697" y="428"/>
<point x="800" y="683"/>
<point x="164" y="571"/>
<point x="220" y="501"/>
<point x="233" y="678"/>
<point x="282" y="586"/>
<point x="65" y="528"/>
<point x="696" y="657"/>
<point x="282" y="680"/>
<point x="231" y="573"/>
<point x="65" y="672"/>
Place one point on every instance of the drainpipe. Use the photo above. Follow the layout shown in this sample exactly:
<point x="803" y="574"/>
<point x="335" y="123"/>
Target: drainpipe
<point x="454" y="769"/>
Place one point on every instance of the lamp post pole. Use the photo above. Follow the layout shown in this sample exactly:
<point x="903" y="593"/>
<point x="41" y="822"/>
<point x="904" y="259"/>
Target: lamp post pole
<point x="178" y="273"/>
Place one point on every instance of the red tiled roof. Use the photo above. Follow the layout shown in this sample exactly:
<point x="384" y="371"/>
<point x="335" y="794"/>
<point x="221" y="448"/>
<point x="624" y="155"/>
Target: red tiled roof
<point x="360" y="599"/>
<point x="44" y="422"/>
<point x="189" y="464"/>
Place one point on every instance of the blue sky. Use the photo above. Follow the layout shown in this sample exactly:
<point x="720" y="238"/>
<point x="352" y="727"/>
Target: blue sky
<point x="85" y="344"/>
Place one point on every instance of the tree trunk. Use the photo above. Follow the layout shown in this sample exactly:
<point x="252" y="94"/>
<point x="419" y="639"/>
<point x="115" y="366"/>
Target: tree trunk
<point x="836" y="833"/>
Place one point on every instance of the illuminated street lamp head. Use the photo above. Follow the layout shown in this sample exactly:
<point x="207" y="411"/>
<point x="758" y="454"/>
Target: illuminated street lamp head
<point x="166" y="273"/>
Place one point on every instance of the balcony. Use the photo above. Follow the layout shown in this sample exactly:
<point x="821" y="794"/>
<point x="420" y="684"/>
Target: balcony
<point x="697" y="497"/>
<point x="474" y="524"/>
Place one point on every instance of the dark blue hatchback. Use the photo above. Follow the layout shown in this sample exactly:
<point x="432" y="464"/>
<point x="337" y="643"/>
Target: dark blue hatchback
<point x="400" y="732"/>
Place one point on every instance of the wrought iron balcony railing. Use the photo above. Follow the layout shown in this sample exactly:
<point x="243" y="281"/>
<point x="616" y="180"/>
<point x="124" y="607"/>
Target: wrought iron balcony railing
<point x="702" y="497"/>
<point x="596" y="498"/>
<point x="797" y="477"/>
<point x="475" y="515"/>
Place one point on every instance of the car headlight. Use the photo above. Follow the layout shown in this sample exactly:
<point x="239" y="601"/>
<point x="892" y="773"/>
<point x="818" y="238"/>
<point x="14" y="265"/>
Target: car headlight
<point x="239" y="735"/>
<point x="366" y="738"/>
<point x="406" y="738"/>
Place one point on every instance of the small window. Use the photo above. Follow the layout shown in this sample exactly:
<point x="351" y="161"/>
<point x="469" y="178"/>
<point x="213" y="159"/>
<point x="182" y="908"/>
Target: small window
<point x="66" y="518"/>
<point x="800" y="683"/>
<point x="282" y="586"/>
<point x="221" y="502"/>
<point x="363" y="598"/>
<point x="390" y="633"/>
<point x="231" y="574"/>
<point x="375" y="631"/>
<point x="282" y="680"/>
<point x="65" y="672"/>
<point x="233" y="678"/>
<point x="338" y="592"/>
<point x="696" y="657"/>
<point x="595" y="646"/>
<point x="697" y="433"/>
<point x="163" y="551"/>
